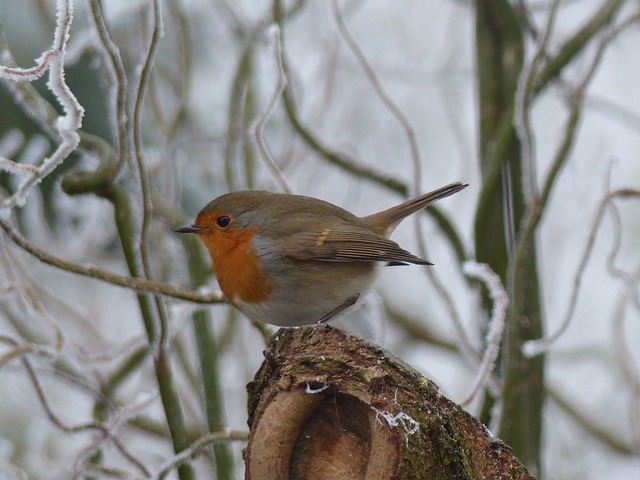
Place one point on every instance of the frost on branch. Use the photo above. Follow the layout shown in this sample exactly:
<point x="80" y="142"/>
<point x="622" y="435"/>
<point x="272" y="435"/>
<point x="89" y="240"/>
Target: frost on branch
<point x="67" y="125"/>
<point x="327" y="405"/>
<point x="500" y="302"/>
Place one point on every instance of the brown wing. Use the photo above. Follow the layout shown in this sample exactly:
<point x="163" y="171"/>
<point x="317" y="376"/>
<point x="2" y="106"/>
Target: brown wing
<point x="347" y="243"/>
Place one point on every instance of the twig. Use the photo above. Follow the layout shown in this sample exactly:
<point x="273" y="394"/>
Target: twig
<point x="612" y="440"/>
<point x="19" y="350"/>
<point x="197" y="448"/>
<point x="630" y="281"/>
<point x="522" y="103"/>
<point x="12" y="471"/>
<point x="259" y="123"/>
<point x="496" y="325"/>
<point x="28" y="99"/>
<point x="123" y="414"/>
<point x="104" y="429"/>
<point x="141" y="264"/>
<point x="536" y="347"/>
<point x="67" y="125"/>
<point x="623" y="352"/>
<point x="576" y="99"/>
<point x="417" y="330"/>
<point x="14" y="167"/>
<point x="115" y="69"/>
<point x="30" y="300"/>
<point x="384" y="97"/>
<point x="576" y="44"/>
<point x="349" y="165"/>
<point x="92" y="271"/>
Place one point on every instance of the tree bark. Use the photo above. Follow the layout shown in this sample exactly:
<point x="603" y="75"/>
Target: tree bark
<point x="329" y="405"/>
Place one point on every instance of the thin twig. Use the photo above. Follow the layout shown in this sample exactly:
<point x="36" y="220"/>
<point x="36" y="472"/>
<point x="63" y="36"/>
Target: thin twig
<point x="13" y="471"/>
<point x="67" y="125"/>
<point x="522" y="103"/>
<point x="536" y="347"/>
<point x="630" y="281"/>
<point x="576" y="44"/>
<point x="143" y="261"/>
<point x="623" y="352"/>
<point x="384" y="97"/>
<point x="92" y="271"/>
<point x="104" y="429"/>
<point x="587" y="422"/>
<point x="19" y="350"/>
<point x="258" y="128"/>
<point x="31" y="302"/>
<point x="496" y="326"/>
<point x="198" y="447"/>
<point x="348" y="164"/>
<point x="116" y="72"/>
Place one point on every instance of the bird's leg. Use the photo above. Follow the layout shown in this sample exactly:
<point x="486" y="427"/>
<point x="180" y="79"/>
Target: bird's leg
<point x="340" y="308"/>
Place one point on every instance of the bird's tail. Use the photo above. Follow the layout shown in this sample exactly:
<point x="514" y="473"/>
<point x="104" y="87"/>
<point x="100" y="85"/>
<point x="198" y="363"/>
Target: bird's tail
<point x="386" y="221"/>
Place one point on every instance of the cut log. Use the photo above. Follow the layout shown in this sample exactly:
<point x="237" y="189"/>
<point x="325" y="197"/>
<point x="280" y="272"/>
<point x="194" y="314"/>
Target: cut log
<point x="327" y="405"/>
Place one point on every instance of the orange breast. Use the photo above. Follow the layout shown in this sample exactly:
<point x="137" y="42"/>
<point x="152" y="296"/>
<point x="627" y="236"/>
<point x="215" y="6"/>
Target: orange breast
<point x="237" y="266"/>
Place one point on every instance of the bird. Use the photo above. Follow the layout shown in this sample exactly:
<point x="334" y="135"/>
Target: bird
<point x="293" y="260"/>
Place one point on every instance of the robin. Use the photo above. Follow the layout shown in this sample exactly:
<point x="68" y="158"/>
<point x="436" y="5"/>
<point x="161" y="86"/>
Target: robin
<point x="291" y="260"/>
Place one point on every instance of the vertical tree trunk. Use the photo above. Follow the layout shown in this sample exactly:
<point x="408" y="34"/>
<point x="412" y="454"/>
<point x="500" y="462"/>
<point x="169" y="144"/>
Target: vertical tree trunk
<point x="499" y="215"/>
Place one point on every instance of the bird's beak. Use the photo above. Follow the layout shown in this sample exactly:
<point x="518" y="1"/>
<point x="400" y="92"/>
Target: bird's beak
<point x="189" y="229"/>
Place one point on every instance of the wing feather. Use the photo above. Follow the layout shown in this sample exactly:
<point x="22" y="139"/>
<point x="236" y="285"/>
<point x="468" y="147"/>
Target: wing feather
<point x="347" y="243"/>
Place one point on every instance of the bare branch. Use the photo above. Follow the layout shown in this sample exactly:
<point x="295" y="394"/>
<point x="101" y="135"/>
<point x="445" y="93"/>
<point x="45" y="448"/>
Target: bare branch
<point x="53" y="417"/>
<point x="67" y="125"/>
<point x="258" y="128"/>
<point x="576" y="44"/>
<point x="384" y="97"/>
<point x="198" y="447"/>
<point x="89" y="270"/>
<point x="536" y="347"/>
<point x="496" y="327"/>
<point x="522" y="103"/>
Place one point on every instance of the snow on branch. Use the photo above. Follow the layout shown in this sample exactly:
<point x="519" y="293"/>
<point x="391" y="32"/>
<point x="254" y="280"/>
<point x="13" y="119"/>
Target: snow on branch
<point x="500" y="301"/>
<point x="67" y="125"/>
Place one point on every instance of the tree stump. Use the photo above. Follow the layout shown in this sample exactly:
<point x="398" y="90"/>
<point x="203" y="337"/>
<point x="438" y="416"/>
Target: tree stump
<point x="326" y="405"/>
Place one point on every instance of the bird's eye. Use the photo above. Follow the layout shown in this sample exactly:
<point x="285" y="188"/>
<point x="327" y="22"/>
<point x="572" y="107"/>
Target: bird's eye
<point x="223" y="221"/>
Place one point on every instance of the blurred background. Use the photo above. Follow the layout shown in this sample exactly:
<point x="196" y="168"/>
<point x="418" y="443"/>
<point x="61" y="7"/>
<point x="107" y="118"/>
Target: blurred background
<point x="534" y="103"/>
